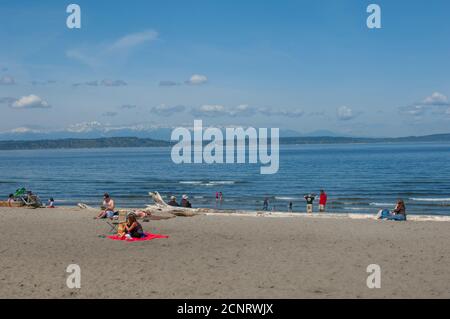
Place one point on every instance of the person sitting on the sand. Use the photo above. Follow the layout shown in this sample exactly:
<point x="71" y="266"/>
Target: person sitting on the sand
<point x="173" y="201"/>
<point x="185" y="202"/>
<point x="108" y="207"/>
<point x="51" y="203"/>
<point x="399" y="212"/>
<point x="133" y="228"/>
<point x="141" y="214"/>
<point x="11" y="200"/>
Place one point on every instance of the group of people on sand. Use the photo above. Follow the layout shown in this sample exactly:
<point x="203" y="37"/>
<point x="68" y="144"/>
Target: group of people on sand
<point x="132" y="228"/>
<point x="23" y="196"/>
<point x="184" y="201"/>
<point x="108" y="208"/>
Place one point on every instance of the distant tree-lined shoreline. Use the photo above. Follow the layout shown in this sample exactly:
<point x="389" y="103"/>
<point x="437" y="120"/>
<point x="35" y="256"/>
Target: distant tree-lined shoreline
<point x="74" y="143"/>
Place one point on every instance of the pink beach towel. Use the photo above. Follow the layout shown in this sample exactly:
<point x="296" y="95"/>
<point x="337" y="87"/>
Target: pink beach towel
<point x="148" y="236"/>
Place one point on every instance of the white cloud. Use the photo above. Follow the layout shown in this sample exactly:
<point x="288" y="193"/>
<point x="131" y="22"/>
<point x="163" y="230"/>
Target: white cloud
<point x="243" y="110"/>
<point x="437" y="103"/>
<point x="22" y="130"/>
<point x="414" y="110"/>
<point x="436" y="99"/>
<point x="134" y="39"/>
<point x="164" y="109"/>
<point x="113" y="83"/>
<point x="197" y="79"/>
<point x="278" y="112"/>
<point x="344" y="113"/>
<point x="210" y="110"/>
<point x="100" y="54"/>
<point x="30" y="102"/>
<point x="105" y="82"/>
<point x="7" y="80"/>
<point x="84" y="127"/>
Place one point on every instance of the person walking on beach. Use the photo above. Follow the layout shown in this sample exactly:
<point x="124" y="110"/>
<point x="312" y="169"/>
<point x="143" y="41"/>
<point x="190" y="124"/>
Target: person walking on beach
<point x="266" y="204"/>
<point x="322" y="200"/>
<point x="108" y="207"/>
<point x="309" y="202"/>
<point x="220" y="196"/>
<point x="217" y="196"/>
<point x="290" y="207"/>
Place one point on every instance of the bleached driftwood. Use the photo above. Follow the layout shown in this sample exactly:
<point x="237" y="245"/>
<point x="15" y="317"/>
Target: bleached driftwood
<point x="161" y="206"/>
<point x="84" y="206"/>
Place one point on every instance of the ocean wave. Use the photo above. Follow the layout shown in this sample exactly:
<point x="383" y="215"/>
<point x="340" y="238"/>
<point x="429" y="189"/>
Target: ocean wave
<point x="355" y="208"/>
<point x="221" y="182"/>
<point x="208" y="183"/>
<point x="285" y="198"/>
<point x="423" y="199"/>
<point x="382" y="204"/>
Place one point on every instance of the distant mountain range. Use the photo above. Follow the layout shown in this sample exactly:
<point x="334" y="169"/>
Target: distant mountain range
<point x="93" y="130"/>
<point x="147" y="142"/>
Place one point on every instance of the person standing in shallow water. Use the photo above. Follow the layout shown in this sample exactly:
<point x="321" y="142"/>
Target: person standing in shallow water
<point x="309" y="202"/>
<point x="322" y="201"/>
<point x="266" y="204"/>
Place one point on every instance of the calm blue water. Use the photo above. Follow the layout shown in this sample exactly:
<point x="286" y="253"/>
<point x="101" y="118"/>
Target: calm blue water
<point x="357" y="178"/>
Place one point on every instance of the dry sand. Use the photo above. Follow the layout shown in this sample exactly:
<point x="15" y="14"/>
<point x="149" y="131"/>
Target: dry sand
<point x="222" y="257"/>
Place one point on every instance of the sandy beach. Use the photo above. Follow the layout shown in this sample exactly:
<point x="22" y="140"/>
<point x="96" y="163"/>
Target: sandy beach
<point x="222" y="257"/>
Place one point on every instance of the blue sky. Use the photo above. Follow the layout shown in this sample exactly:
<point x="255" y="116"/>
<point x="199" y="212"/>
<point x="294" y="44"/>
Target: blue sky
<point x="300" y="65"/>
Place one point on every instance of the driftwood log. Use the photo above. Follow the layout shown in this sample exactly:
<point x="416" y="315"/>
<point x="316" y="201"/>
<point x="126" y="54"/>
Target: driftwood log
<point x="160" y="206"/>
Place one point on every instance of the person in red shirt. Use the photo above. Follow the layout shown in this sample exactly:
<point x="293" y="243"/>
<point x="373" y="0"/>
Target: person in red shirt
<point x="322" y="200"/>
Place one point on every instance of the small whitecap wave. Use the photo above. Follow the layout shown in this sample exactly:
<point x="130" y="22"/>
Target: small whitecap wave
<point x="355" y="208"/>
<point x="221" y="182"/>
<point x="420" y="199"/>
<point x="190" y="182"/>
<point x="285" y="198"/>
<point x="381" y="204"/>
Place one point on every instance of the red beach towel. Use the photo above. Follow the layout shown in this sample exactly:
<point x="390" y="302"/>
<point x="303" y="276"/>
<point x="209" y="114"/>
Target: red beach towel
<point x="148" y="236"/>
